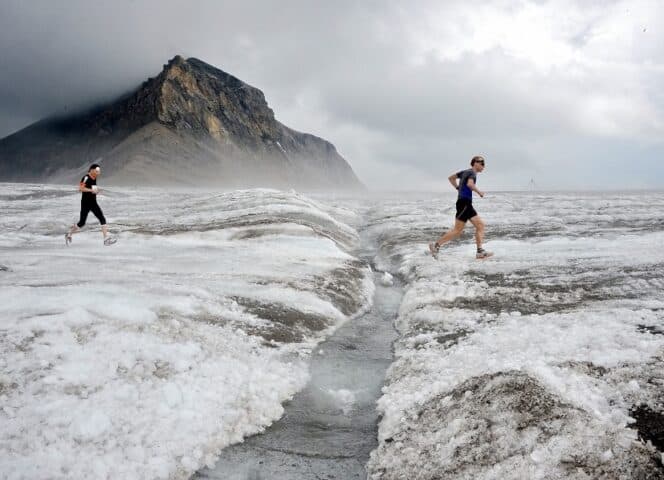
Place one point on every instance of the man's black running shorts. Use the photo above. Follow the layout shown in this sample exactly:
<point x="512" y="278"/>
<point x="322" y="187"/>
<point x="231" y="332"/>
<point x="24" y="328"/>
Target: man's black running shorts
<point x="464" y="209"/>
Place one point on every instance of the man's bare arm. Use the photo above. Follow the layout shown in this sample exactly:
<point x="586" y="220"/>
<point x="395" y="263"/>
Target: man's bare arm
<point x="473" y="187"/>
<point x="83" y="188"/>
<point x="453" y="180"/>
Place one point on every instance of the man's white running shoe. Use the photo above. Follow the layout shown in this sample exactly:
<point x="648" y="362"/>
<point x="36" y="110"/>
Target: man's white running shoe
<point x="433" y="248"/>
<point x="67" y="238"/>
<point x="482" y="254"/>
<point x="110" y="240"/>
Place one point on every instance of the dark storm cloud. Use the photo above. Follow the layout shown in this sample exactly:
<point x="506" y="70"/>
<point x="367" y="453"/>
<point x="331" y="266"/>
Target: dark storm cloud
<point x="58" y="54"/>
<point x="402" y="90"/>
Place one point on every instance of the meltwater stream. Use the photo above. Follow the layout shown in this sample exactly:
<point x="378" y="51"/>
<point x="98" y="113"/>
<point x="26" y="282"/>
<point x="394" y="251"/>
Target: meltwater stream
<point x="330" y="427"/>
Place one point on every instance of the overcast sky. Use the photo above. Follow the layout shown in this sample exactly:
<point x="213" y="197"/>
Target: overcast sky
<point x="568" y="93"/>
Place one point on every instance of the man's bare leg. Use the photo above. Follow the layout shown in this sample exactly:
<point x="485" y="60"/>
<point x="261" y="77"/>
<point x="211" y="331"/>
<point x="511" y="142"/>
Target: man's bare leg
<point x="108" y="238"/>
<point x="74" y="229"/>
<point x="479" y="237"/>
<point x="448" y="236"/>
<point x="479" y="230"/>
<point x="456" y="231"/>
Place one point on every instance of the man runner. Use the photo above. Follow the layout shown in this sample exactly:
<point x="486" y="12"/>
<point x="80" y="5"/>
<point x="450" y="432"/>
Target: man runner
<point x="466" y="185"/>
<point x="89" y="190"/>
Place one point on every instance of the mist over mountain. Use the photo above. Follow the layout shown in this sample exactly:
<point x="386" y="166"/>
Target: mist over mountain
<point x="193" y="124"/>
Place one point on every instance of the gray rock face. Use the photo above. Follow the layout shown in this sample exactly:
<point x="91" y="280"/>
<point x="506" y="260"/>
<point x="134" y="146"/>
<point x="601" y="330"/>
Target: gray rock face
<point x="191" y="125"/>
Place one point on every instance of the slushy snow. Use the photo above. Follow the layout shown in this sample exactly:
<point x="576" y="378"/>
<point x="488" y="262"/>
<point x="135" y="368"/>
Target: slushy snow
<point x="145" y="359"/>
<point x="526" y="365"/>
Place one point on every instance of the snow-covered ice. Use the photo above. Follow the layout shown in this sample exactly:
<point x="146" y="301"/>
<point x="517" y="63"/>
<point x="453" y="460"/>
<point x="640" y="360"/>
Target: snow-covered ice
<point x="530" y="364"/>
<point x="144" y="359"/>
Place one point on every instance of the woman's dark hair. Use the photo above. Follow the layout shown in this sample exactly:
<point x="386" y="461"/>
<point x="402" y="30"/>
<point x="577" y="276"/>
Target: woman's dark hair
<point x="93" y="166"/>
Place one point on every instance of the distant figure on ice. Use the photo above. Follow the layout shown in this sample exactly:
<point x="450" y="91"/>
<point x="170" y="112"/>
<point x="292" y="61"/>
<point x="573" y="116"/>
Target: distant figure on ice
<point x="466" y="185"/>
<point x="89" y="190"/>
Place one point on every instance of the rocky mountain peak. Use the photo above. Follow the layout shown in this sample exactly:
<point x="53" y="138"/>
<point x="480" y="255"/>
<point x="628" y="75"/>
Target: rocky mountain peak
<point x="193" y="95"/>
<point x="190" y="117"/>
